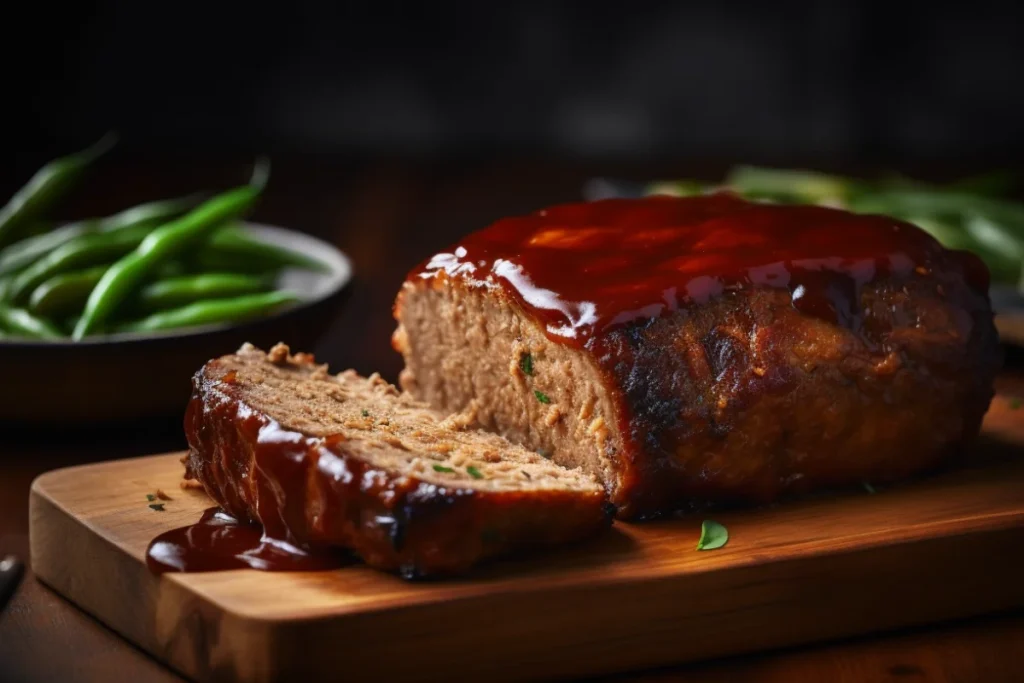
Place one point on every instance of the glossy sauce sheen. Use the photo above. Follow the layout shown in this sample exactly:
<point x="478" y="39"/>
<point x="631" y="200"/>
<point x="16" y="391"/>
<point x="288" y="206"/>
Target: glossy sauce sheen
<point x="218" y="542"/>
<point x="583" y="269"/>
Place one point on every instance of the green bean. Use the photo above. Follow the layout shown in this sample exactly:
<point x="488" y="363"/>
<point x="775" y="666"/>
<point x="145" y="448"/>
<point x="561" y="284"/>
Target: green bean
<point x="178" y="291"/>
<point x="950" y="235"/>
<point x="993" y="184"/>
<point x="65" y="293"/>
<point x="947" y="204"/>
<point x="81" y="252"/>
<point x="1000" y="249"/>
<point x="22" y="253"/>
<point x="171" y="269"/>
<point x="46" y="187"/>
<point x="68" y="325"/>
<point x="213" y="311"/>
<point x="790" y="185"/>
<point x="231" y="248"/>
<point x="162" y="245"/>
<point x="677" y="188"/>
<point x="23" y="323"/>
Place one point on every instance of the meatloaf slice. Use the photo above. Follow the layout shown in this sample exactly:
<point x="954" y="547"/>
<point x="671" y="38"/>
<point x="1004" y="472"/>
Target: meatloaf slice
<point x="342" y="460"/>
<point x="707" y="349"/>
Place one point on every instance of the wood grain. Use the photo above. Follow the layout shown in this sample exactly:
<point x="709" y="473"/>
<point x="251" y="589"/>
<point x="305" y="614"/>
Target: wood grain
<point x="948" y="546"/>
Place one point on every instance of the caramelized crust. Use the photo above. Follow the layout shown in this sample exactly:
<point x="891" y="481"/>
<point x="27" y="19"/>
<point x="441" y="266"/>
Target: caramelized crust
<point x="776" y="356"/>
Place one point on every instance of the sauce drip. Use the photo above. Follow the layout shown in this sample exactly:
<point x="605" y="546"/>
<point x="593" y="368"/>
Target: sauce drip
<point x="583" y="269"/>
<point x="219" y="542"/>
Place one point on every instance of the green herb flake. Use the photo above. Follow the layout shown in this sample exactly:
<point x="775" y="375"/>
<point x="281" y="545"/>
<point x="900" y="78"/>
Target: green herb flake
<point x="365" y="412"/>
<point x="526" y="364"/>
<point x="868" y="487"/>
<point x="1015" y="403"/>
<point x="150" y="497"/>
<point x="712" y="535"/>
<point x="541" y="396"/>
<point x="442" y="468"/>
<point x="159" y="507"/>
<point x="474" y="472"/>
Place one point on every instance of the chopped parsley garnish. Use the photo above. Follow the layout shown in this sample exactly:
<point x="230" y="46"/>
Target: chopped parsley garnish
<point x="366" y="413"/>
<point x="1015" y="403"/>
<point x="442" y="468"/>
<point x="159" y="507"/>
<point x="474" y="472"/>
<point x="150" y="497"/>
<point x="526" y="364"/>
<point x="543" y="453"/>
<point x="541" y="396"/>
<point x="712" y="535"/>
<point x="868" y="487"/>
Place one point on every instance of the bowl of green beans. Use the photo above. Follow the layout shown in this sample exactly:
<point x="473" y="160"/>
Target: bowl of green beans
<point x="107" y="318"/>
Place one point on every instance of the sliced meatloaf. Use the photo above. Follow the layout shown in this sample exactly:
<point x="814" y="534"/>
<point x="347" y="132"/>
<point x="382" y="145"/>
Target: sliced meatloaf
<point x="707" y="349"/>
<point x="342" y="460"/>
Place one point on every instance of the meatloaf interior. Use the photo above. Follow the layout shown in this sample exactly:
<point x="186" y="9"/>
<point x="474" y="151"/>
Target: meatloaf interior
<point x="343" y="460"/>
<point x="477" y="354"/>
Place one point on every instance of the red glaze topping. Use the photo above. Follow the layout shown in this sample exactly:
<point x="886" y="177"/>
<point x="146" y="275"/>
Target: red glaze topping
<point x="583" y="269"/>
<point x="218" y="542"/>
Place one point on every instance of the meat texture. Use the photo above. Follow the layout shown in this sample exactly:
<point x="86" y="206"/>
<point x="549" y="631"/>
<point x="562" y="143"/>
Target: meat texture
<point x="741" y="398"/>
<point x="324" y="460"/>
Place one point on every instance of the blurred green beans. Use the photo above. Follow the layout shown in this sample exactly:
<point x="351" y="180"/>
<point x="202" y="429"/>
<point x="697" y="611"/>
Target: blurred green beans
<point x="22" y="253"/>
<point x="212" y="312"/>
<point x="165" y="244"/>
<point x="175" y="292"/>
<point x="231" y="249"/>
<point x="79" y="253"/>
<point x="65" y="293"/>
<point x="21" y="323"/>
<point x="45" y="188"/>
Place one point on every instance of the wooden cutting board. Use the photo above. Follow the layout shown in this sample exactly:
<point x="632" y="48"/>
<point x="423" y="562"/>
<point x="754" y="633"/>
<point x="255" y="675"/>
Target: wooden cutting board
<point x="947" y="546"/>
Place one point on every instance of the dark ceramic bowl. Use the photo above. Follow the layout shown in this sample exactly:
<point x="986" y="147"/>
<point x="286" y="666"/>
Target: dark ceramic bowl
<point x="125" y="377"/>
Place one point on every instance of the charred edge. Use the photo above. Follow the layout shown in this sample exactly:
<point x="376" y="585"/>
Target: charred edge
<point x="399" y="527"/>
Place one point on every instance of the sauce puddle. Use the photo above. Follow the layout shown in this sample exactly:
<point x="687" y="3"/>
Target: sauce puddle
<point x="219" y="542"/>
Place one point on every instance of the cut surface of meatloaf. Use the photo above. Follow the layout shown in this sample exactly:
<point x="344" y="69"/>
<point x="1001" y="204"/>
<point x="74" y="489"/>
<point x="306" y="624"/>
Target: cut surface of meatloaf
<point x="707" y="349"/>
<point x="341" y="460"/>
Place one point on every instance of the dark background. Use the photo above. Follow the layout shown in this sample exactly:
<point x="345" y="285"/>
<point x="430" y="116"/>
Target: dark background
<point x="395" y="128"/>
<point x="831" y="82"/>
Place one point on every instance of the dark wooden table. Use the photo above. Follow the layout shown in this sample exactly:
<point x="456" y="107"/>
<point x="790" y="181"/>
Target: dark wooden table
<point x="387" y="216"/>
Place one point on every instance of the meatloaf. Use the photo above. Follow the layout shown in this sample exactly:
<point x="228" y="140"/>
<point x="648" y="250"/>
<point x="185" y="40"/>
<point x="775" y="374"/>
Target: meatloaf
<point x="707" y="349"/>
<point x="341" y="460"/>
